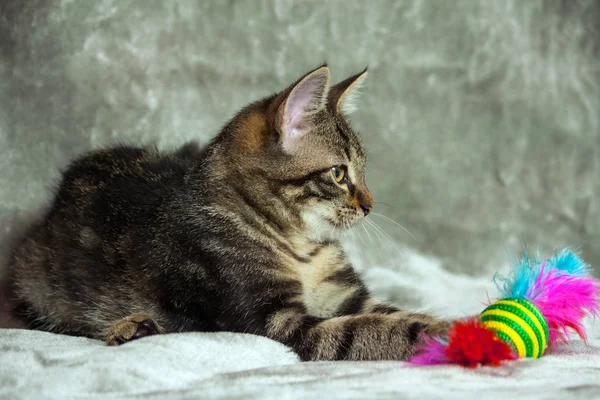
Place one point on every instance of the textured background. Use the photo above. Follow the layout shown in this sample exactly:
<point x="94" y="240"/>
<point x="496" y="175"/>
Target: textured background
<point x="482" y="118"/>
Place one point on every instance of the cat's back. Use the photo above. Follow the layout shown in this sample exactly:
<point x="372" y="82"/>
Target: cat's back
<point x="119" y="182"/>
<point x="120" y="192"/>
<point x="100" y="219"/>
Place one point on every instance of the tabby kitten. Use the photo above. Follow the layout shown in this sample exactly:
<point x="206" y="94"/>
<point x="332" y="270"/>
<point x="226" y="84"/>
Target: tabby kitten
<point x="240" y="236"/>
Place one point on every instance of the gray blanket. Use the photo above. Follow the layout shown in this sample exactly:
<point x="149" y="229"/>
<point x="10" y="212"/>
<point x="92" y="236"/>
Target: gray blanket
<point x="237" y="366"/>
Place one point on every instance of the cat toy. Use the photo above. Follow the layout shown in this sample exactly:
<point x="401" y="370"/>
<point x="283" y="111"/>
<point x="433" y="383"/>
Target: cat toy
<point x="539" y="303"/>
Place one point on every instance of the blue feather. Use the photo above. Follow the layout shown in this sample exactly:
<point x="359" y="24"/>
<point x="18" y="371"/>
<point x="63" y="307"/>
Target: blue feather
<point x="568" y="262"/>
<point x="526" y="271"/>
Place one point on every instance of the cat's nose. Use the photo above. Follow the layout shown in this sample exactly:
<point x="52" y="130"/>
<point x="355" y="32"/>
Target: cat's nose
<point x="365" y="200"/>
<point x="366" y="208"/>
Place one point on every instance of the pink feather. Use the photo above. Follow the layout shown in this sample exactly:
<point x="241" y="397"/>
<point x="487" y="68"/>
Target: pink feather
<point x="565" y="300"/>
<point x="430" y="352"/>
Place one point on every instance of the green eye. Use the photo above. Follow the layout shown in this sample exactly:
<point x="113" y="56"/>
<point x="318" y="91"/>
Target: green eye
<point x="338" y="174"/>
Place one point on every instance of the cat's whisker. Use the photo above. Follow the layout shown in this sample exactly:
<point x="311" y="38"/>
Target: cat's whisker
<point x="379" y="229"/>
<point x="393" y="222"/>
<point x="378" y="248"/>
<point x="354" y="230"/>
<point x="385" y="204"/>
<point x="385" y="235"/>
<point x="378" y="236"/>
<point x="369" y="236"/>
<point x="354" y="234"/>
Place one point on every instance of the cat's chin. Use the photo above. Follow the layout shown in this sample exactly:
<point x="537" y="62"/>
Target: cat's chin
<point x="319" y="227"/>
<point x="324" y="237"/>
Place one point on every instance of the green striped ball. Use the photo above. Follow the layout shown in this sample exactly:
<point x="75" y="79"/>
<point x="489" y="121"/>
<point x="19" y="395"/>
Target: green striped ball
<point x="519" y="323"/>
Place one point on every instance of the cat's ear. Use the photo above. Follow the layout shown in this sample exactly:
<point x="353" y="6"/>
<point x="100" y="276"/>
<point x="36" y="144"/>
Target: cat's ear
<point x="299" y="102"/>
<point x="344" y="95"/>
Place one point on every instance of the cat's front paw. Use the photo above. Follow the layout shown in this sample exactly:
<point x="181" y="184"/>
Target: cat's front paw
<point x="438" y="329"/>
<point x="133" y="327"/>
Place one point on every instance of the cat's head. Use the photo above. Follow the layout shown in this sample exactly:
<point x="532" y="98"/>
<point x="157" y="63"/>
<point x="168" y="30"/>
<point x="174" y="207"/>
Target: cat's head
<point x="297" y="158"/>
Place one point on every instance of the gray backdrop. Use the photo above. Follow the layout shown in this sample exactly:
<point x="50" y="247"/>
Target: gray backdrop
<point x="481" y="118"/>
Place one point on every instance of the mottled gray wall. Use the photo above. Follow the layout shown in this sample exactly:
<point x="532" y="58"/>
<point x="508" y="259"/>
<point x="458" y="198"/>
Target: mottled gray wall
<point x="481" y="117"/>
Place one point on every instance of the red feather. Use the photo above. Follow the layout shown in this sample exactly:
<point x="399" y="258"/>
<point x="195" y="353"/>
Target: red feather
<point x="471" y="344"/>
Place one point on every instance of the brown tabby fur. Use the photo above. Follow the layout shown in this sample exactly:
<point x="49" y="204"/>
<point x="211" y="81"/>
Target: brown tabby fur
<point x="241" y="236"/>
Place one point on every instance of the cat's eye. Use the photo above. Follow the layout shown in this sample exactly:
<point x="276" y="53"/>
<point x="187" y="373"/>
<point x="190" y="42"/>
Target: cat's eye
<point x="338" y="174"/>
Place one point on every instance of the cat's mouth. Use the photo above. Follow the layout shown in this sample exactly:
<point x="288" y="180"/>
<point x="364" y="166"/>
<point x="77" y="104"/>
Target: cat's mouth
<point x="347" y="217"/>
<point x="321" y="225"/>
<point x="344" y="222"/>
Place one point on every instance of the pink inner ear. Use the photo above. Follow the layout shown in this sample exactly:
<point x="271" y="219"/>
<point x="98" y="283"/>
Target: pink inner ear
<point x="307" y="97"/>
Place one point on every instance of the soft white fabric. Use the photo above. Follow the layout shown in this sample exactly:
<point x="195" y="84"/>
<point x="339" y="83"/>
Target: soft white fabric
<point x="232" y="366"/>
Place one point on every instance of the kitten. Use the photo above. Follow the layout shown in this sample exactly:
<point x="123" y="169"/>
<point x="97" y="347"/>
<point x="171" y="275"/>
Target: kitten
<point x="240" y="236"/>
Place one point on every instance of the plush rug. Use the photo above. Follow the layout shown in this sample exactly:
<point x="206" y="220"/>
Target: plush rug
<point x="236" y="366"/>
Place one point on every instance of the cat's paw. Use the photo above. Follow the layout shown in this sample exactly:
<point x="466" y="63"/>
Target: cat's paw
<point x="131" y="328"/>
<point x="438" y="329"/>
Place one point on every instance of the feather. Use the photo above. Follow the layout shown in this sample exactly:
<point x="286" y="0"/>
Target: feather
<point x="561" y="289"/>
<point x="432" y="351"/>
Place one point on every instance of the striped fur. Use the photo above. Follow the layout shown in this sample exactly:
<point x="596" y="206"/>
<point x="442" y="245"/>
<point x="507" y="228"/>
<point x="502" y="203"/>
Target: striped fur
<point x="240" y="235"/>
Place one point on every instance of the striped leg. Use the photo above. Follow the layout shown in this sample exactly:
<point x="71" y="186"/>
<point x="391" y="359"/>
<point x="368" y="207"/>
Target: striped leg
<point x="372" y="336"/>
